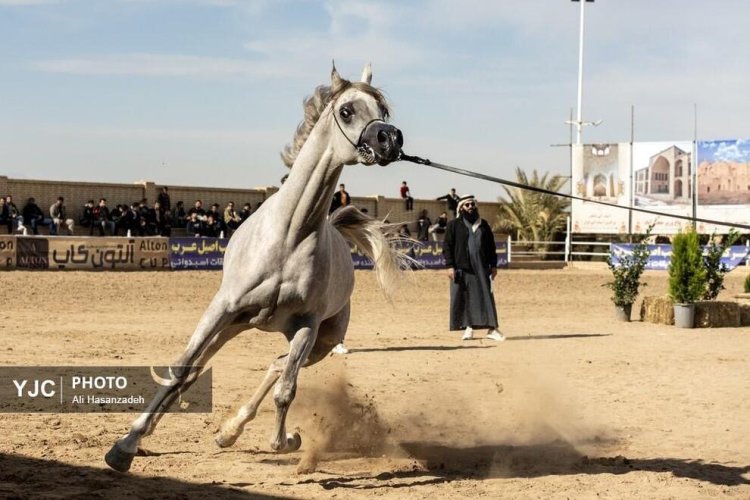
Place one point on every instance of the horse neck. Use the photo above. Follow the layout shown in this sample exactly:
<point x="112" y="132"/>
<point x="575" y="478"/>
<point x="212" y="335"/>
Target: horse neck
<point x="306" y="195"/>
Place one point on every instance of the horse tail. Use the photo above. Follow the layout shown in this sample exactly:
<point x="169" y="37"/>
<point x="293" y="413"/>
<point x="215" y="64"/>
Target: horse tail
<point x="377" y="241"/>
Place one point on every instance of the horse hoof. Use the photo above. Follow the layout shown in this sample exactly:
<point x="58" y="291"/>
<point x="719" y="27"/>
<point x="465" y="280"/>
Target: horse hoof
<point x="118" y="459"/>
<point x="225" y="441"/>
<point x="293" y="442"/>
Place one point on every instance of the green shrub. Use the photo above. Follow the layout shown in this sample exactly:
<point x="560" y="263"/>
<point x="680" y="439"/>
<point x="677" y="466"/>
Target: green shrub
<point x="747" y="284"/>
<point x="715" y="270"/>
<point x="687" y="271"/>
<point x="627" y="274"/>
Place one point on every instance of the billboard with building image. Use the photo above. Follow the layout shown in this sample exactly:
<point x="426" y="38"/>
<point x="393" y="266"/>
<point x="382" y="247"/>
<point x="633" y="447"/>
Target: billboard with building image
<point x="600" y="173"/>
<point x="723" y="183"/>
<point x="662" y="182"/>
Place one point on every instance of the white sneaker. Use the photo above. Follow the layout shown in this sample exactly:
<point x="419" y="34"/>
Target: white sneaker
<point x="468" y="334"/>
<point x="340" y="349"/>
<point x="494" y="334"/>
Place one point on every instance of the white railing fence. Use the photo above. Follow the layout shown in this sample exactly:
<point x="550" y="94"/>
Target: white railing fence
<point x="567" y="250"/>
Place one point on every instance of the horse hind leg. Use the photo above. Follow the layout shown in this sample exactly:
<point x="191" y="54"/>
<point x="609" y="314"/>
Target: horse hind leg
<point x="204" y="342"/>
<point x="330" y="333"/>
<point x="233" y="428"/>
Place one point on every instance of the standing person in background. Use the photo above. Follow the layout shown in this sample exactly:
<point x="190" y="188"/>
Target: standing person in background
<point x="164" y="202"/>
<point x="406" y="196"/>
<point x="59" y="217"/>
<point x="469" y="250"/>
<point x="452" y="200"/>
<point x="340" y="198"/>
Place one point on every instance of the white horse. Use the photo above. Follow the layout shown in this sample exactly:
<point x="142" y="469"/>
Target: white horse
<point x="288" y="268"/>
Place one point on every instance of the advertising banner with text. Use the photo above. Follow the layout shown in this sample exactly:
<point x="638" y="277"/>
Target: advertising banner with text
<point x="32" y="252"/>
<point x="7" y="252"/>
<point x="429" y="255"/>
<point x="197" y="253"/>
<point x="132" y="254"/>
<point x="660" y="255"/>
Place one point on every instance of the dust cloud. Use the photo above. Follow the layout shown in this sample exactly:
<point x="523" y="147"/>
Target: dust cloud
<point x="527" y="419"/>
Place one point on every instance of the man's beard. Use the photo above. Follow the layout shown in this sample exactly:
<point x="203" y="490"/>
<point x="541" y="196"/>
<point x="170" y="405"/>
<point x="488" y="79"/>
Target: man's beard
<point x="471" y="216"/>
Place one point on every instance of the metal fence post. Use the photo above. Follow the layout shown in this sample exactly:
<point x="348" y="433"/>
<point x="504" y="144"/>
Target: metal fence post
<point x="510" y="241"/>
<point x="567" y="240"/>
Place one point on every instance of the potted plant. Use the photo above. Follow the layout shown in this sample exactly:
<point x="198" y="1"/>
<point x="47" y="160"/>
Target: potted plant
<point x="626" y="276"/>
<point x="687" y="277"/>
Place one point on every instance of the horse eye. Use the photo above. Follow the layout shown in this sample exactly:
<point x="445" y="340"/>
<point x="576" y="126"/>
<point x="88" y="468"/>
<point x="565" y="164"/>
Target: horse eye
<point x="345" y="113"/>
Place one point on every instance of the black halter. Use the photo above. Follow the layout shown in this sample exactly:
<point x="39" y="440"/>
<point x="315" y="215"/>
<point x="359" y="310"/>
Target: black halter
<point x="365" y="150"/>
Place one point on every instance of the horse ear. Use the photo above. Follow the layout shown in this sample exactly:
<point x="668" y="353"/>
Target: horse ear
<point x="367" y="74"/>
<point x="336" y="80"/>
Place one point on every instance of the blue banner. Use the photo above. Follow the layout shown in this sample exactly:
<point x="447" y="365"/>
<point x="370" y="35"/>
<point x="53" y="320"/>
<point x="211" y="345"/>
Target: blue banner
<point x="197" y="253"/>
<point x="660" y="255"/>
<point x="429" y="255"/>
<point x="208" y="253"/>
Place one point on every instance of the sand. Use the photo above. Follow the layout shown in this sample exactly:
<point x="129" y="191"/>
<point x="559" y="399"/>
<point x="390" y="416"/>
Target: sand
<point x="572" y="405"/>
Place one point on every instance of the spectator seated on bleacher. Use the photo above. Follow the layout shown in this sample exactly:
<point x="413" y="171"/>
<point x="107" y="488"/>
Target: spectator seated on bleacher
<point x="179" y="217"/>
<point x="212" y="228"/>
<point x="14" y="216"/>
<point x="439" y="226"/>
<point x="194" y="226"/>
<point x="34" y="217"/>
<point x="58" y="216"/>
<point x="87" y="216"/>
<point x="102" y="219"/>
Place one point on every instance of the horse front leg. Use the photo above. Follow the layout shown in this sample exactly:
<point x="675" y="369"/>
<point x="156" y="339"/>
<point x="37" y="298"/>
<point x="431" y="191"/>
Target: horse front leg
<point x="204" y="342"/>
<point x="286" y="388"/>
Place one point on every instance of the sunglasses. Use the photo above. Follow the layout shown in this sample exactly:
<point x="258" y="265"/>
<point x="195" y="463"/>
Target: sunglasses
<point x="470" y="204"/>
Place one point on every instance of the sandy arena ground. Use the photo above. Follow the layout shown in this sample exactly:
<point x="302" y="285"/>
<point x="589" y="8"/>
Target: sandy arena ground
<point x="572" y="405"/>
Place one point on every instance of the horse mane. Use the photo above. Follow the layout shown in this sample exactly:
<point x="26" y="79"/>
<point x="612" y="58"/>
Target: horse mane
<point x="313" y="107"/>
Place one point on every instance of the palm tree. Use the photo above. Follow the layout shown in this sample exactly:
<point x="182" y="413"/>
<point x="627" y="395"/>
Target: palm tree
<point x="530" y="215"/>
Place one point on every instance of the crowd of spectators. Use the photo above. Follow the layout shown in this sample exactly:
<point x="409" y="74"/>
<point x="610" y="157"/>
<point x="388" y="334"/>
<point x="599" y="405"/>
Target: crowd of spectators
<point x="136" y="219"/>
<point x="160" y="218"/>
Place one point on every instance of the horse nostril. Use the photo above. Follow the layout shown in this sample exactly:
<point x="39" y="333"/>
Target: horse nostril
<point x="382" y="136"/>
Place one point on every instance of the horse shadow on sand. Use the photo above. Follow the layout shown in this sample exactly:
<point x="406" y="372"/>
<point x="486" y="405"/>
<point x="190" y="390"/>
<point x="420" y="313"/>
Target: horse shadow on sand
<point x="26" y="477"/>
<point x="439" y="463"/>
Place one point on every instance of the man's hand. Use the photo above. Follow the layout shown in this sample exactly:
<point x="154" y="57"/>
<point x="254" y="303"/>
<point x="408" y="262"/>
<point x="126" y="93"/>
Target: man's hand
<point x="493" y="273"/>
<point x="451" y="274"/>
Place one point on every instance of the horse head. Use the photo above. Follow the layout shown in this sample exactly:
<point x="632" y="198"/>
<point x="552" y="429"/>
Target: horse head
<point x="358" y="114"/>
<point x="360" y="111"/>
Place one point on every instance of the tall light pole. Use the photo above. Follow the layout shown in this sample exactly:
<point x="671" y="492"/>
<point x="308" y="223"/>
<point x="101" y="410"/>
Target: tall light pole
<point x="579" y="122"/>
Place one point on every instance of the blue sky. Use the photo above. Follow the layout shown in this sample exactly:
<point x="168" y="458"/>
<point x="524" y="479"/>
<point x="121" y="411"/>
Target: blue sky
<point x="207" y="92"/>
<point x="732" y="151"/>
